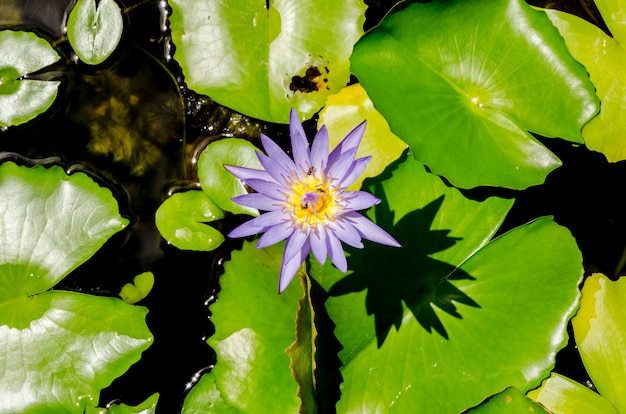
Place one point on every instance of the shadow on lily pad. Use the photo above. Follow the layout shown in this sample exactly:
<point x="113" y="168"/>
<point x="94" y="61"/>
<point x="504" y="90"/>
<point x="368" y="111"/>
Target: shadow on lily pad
<point x="408" y="275"/>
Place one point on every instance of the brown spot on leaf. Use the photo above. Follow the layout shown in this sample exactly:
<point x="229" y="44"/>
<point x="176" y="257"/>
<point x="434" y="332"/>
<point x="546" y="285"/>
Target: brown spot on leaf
<point x="308" y="82"/>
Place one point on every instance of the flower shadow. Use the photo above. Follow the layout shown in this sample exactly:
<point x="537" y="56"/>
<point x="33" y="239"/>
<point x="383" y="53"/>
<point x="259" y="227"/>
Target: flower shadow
<point x="409" y="277"/>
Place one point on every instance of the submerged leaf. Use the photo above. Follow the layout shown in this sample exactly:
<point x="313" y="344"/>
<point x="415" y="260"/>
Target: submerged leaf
<point x="263" y="58"/>
<point x="463" y="81"/>
<point x="23" y="99"/>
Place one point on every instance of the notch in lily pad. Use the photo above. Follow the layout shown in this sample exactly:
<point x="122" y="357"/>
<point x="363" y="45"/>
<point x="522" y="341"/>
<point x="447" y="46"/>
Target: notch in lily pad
<point x="94" y="29"/>
<point x="23" y="99"/>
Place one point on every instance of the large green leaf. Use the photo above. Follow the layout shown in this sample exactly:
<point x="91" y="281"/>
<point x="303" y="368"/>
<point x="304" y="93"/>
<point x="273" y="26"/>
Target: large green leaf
<point x="463" y="81"/>
<point x="254" y="325"/>
<point x="261" y="61"/>
<point x="423" y="329"/>
<point x="605" y="61"/>
<point x="94" y="30"/>
<point x="23" y="99"/>
<point x="72" y="346"/>
<point x="59" y="348"/>
<point x="600" y="332"/>
<point x="561" y="395"/>
<point x="50" y="224"/>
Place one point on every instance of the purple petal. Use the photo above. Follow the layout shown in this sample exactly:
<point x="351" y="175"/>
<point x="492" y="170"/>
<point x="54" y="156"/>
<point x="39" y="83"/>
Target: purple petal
<point x="338" y="168"/>
<point x="277" y="154"/>
<point x="359" y="200"/>
<point x="258" y="201"/>
<point x="244" y="173"/>
<point x="351" y="141"/>
<point x="319" y="149"/>
<point x="290" y="267"/>
<point x="299" y="143"/>
<point x="355" y="171"/>
<point x="371" y="231"/>
<point x="295" y="243"/>
<point x="276" y="170"/>
<point x="336" y="253"/>
<point x="258" y="224"/>
<point x="269" y="188"/>
<point x="346" y="232"/>
<point x="275" y="234"/>
<point x="318" y="244"/>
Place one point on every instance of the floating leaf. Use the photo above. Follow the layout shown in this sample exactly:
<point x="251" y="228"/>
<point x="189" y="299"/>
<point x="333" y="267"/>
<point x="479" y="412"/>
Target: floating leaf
<point x="254" y="327"/>
<point x="23" y="99"/>
<point x="139" y="289"/>
<point x="95" y="29"/>
<point x="600" y="332"/>
<point x="446" y="321"/>
<point x="219" y="184"/>
<point x="605" y="61"/>
<point x="561" y="395"/>
<point x="347" y="109"/>
<point x="510" y="401"/>
<point x="462" y="83"/>
<point x="263" y="58"/>
<point x="182" y="218"/>
<point x="51" y="223"/>
<point x="59" y="348"/>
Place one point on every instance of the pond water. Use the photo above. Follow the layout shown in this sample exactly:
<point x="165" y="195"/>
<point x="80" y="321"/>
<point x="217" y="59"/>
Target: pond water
<point x="132" y="124"/>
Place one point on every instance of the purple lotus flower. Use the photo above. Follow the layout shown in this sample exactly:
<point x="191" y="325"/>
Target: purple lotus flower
<point x="306" y="201"/>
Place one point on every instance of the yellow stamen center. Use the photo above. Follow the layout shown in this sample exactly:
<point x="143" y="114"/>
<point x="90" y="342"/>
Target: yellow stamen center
<point x="312" y="201"/>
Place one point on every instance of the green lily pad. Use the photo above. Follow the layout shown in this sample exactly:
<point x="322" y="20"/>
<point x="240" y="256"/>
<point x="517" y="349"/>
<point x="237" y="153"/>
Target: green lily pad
<point x="561" y="395"/>
<point x="600" y="332"/>
<point x="263" y="58"/>
<point x="447" y="321"/>
<point x="182" y="218"/>
<point x="95" y="29"/>
<point x="605" y="61"/>
<point x="217" y="182"/>
<point x="510" y="401"/>
<point x="60" y="348"/>
<point x="347" y="109"/>
<point x="254" y="325"/>
<point x="139" y="289"/>
<point x="146" y="407"/>
<point x="23" y="99"/>
<point x="462" y="82"/>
